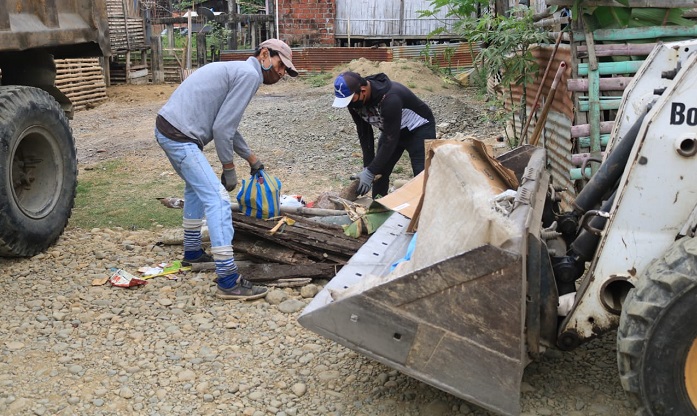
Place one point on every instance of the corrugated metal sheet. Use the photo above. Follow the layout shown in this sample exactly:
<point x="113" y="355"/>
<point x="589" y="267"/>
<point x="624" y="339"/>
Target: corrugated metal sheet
<point x="385" y="19"/>
<point x="563" y="101"/>
<point x="556" y="137"/>
<point x="308" y="60"/>
<point x="457" y="56"/>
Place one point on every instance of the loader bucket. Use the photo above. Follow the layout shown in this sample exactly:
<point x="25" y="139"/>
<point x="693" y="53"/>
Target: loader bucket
<point x="457" y="323"/>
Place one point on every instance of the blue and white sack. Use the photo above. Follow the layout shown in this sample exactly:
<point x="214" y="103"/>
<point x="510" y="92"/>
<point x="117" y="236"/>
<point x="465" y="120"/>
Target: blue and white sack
<point x="259" y="196"/>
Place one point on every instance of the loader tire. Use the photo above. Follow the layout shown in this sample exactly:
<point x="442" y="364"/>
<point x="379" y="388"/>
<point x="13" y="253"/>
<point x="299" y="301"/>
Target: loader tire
<point x="657" y="335"/>
<point x="38" y="171"/>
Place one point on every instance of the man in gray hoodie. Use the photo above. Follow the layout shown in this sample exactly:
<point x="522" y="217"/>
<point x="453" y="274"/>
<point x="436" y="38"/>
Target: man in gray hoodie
<point x="208" y="106"/>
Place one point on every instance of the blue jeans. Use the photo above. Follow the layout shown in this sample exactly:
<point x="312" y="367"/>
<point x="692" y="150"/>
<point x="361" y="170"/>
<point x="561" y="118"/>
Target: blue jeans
<point x="204" y="195"/>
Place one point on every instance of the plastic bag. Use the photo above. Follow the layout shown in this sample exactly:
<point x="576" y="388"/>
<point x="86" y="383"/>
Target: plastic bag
<point x="259" y="196"/>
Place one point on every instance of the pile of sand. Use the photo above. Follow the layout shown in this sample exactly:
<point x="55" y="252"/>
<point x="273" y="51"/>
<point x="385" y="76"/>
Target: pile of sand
<point x="411" y="73"/>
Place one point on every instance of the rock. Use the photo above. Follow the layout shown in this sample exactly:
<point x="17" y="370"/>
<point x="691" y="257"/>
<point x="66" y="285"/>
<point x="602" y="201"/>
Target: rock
<point x="126" y="392"/>
<point x="299" y="389"/>
<point x="186" y="375"/>
<point x="309" y="291"/>
<point x="276" y="296"/>
<point x="14" y="345"/>
<point x="291" y="306"/>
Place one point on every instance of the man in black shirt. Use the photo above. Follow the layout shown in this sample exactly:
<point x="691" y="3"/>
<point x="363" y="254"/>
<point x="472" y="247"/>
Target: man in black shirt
<point x="403" y="119"/>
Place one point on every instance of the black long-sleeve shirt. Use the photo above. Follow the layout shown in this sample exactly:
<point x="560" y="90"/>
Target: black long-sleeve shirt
<point x="391" y="108"/>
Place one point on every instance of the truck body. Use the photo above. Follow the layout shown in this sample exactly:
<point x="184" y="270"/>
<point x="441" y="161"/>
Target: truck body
<point x="483" y="292"/>
<point x="38" y="162"/>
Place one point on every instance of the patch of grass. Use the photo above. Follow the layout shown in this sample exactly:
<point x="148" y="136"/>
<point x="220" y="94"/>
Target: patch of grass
<point x="411" y="85"/>
<point x="318" y="80"/>
<point x="120" y="193"/>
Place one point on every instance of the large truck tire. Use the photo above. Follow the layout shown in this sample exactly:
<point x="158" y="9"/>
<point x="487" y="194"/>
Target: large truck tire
<point x="657" y="335"/>
<point x="38" y="171"/>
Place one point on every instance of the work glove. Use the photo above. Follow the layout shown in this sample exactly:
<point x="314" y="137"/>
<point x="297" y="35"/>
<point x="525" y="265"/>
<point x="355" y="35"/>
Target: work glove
<point x="229" y="179"/>
<point x="366" y="181"/>
<point x="256" y="167"/>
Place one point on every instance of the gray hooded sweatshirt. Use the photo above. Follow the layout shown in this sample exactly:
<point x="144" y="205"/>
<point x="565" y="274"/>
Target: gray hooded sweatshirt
<point x="209" y="105"/>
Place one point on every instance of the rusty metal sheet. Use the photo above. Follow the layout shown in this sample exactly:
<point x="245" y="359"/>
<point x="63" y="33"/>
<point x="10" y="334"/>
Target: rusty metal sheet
<point x="556" y="136"/>
<point x="456" y="56"/>
<point x="563" y="101"/>
<point x="309" y="60"/>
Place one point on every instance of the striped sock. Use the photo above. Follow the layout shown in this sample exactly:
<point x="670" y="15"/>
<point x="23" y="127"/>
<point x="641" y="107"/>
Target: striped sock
<point x="192" y="240"/>
<point x="227" y="273"/>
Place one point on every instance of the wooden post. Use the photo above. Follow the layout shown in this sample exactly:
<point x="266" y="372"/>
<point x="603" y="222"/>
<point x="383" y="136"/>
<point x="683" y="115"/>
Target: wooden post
<point x="104" y="62"/>
<point x="232" y="25"/>
<point x="128" y="67"/>
<point x="189" y="27"/>
<point x="593" y="96"/>
<point x="157" y="62"/>
<point x="201" y="49"/>
<point x="170" y="36"/>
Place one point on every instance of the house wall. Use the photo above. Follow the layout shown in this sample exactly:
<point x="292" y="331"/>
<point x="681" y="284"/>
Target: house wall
<point x="387" y="19"/>
<point x="306" y="22"/>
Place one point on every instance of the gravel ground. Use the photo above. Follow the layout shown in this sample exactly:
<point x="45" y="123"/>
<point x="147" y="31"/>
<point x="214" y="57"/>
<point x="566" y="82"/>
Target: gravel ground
<point x="171" y="348"/>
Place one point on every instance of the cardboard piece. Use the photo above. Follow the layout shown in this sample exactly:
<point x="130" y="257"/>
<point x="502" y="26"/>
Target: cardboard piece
<point x="405" y="199"/>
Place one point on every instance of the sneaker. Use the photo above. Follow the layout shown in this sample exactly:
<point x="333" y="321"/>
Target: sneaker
<point x="243" y="290"/>
<point x="203" y="258"/>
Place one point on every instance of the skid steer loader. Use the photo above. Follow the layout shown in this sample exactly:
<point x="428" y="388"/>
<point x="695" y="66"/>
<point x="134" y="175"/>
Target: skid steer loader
<point x="472" y="297"/>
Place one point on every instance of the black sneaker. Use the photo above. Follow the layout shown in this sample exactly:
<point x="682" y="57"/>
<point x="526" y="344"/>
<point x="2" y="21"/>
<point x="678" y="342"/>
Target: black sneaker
<point x="243" y="290"/>
<point x="203" y="258"/>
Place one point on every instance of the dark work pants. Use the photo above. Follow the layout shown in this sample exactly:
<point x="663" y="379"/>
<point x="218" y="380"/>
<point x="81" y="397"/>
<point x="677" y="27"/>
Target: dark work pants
<point x="413" y="143"/>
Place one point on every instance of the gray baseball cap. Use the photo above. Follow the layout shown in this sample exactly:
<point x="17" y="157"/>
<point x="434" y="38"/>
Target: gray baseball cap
<point x="284" y="52"/>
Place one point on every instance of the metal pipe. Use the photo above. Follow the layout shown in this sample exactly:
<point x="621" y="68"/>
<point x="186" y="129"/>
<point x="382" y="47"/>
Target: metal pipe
<point x="278" y="30"/>
<point x="609" y="172"/>
<point x="539" y="90"/>
<point x="548" y="104"/>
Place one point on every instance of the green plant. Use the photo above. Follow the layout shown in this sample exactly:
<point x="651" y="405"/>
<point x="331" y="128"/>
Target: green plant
<point x="318" y="80"/>
<point x="134" y="206"/>
<point x="448" y="54"/>
<point x="505" y="42"/>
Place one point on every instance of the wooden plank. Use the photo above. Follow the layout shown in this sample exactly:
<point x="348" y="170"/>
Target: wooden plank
<point x="585" y="142"/>
<point x="612" y="68"/>
<point x="651" y="32"/>
<point x="268" y="251"/>
<point x="631" y="49"/>
<point x="318" y="241"/>
<point x="606" y="103"/>
<point x="582" y="130"/>
<point x="605" y="84"/>
<point x="268" y="272"/>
